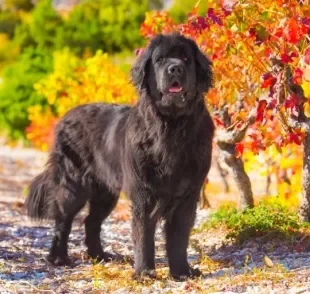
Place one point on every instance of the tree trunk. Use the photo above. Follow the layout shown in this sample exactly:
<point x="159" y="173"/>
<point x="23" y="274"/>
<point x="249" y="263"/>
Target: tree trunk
<point x="204" y="201"/>
<point x="241" y="178"/>
<point x="223" y="174"/>
<point x="304" y="209"/>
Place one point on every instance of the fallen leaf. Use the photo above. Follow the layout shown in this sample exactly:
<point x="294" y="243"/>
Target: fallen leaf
<point x="268" y="262"/>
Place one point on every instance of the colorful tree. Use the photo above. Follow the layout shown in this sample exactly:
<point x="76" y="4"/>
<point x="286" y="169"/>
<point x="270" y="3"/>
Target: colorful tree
<point x="261" y="56"/>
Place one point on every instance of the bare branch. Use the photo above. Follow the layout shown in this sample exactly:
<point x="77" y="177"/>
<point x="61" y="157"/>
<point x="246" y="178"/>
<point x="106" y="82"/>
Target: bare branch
<point x="235" y="135"/>
<point x="295" y="124"/>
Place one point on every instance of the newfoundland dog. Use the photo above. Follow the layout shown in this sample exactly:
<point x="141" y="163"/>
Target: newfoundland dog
<point x="158" y="152"/>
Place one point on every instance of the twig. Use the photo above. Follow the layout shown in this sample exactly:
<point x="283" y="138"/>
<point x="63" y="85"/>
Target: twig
<point x="237" y="134"/>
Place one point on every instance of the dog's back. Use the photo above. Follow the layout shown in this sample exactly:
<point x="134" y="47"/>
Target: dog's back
<point x="85" y="154"/>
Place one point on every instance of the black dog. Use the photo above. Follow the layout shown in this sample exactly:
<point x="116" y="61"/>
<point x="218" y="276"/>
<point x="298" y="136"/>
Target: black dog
<point x="158" y="152"/>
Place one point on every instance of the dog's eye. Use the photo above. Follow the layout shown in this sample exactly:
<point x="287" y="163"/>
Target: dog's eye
<point x="185" y="58"/>
<point x="159" y="59"/>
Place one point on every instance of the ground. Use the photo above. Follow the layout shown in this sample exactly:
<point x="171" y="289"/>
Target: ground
<point x="261" y="265"/>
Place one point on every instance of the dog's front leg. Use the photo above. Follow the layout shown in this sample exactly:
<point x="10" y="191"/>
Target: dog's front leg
<point x="178" y="228"/>
<point x="143" y="232"/>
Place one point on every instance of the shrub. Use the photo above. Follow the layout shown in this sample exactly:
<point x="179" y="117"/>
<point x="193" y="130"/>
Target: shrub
<point x="14" y="5"/>
<point x="108" y="25"/>
<point x="269" y="217"/>
<point x="8" y="52"/>
<point x="11" y="12"/>
<point x="8" y="22"/>
<point x="76" y="82"/>
<point x="44" y="29"/>
<point x="17" y="93"/>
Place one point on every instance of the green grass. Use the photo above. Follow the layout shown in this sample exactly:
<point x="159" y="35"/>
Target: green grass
<point x="268" y="218"/>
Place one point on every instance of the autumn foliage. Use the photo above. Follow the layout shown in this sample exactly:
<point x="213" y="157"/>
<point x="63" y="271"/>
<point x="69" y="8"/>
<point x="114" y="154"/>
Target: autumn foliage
<point x="75" y="82"/>
<point x="243" y="38"/>
<point x="261" y="58"/>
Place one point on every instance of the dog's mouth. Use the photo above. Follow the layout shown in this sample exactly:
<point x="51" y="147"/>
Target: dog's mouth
<point x="174" y="89"/>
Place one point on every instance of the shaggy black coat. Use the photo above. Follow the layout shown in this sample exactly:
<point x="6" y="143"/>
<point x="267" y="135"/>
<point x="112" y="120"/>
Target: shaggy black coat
<point x="158" y="152"/>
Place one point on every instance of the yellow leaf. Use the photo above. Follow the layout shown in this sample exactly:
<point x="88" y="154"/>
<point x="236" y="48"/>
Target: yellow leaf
<point x="268" y="262"/>
<point x="307" y="109"/>
<point x="306" y="87"/>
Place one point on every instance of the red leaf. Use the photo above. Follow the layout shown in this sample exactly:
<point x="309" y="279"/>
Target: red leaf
<point x="305" y="25"/>
<point x="279" y="33"/>
<point x="202" y="22"/>
<point x="292" y="101"/>
<point x="297" y="76"/>
<point x="251" y="32"/>
<point x="286" y="58"/>
<point x="218" y="122"/>
<point x="268" y="52"/>
<point x="292" y="31"/>
<point x="239" y="149"/>
<point x="268" y="80"/>
<point x="255" y="147"/>
<point x="261" y="110"/>
<point x="294" y="138"/>
<point x="211" y="14"/>
<point x="296" y="29"/>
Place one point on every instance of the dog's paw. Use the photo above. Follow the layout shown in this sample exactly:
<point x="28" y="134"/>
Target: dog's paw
<point x="145" y="274"/>
<point x="188" y="274"/>
<point x="59" y="260"/>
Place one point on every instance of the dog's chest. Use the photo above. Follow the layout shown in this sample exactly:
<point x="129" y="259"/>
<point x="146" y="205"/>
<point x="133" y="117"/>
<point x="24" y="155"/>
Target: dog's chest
<point x="176" y="168"/>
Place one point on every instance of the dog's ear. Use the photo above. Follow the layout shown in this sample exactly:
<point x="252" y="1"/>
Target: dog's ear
<point x="204" y="71"/>
<point x="138" y="71"/>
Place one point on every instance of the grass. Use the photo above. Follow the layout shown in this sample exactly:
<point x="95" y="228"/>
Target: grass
<point x="267" y="218"/>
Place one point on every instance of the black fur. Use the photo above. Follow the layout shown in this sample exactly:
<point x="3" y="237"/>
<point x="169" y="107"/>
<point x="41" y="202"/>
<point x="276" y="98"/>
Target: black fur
<point x="158" y="152"/>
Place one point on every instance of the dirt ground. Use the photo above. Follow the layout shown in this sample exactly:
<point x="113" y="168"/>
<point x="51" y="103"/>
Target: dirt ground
<point x="227" y="267"/>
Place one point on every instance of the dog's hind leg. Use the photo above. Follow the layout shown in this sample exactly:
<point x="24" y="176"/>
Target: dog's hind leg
<point x="100" y="206"/>
<point x="66" y="207"/>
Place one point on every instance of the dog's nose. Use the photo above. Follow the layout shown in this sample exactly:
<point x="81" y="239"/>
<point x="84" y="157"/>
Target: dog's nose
<point x="175" y="69"/>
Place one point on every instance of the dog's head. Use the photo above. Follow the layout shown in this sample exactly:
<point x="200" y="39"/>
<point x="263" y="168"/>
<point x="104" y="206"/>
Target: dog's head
<point x="173" y="72"/>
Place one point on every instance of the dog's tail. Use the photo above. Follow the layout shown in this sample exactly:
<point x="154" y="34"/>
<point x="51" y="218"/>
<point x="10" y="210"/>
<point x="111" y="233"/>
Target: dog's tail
<point x="40" y="199"/>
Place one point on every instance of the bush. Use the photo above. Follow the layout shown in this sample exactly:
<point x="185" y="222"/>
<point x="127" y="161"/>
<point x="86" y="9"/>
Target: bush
<point x="17" y="93"/>
<point x="8" y="52"/>
<point x="269" y="217"/>
<point x="108" y="25"/>
<point x="13" y="5"/>
<point x="44" y="30"/>
<point x="10" y="14"/>
<point x="74" y="82"/>
<point x="8" y="22"/>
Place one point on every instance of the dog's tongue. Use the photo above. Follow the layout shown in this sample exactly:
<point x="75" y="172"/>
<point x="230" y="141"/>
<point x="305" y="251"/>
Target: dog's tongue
<point x="175" y="89"/>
